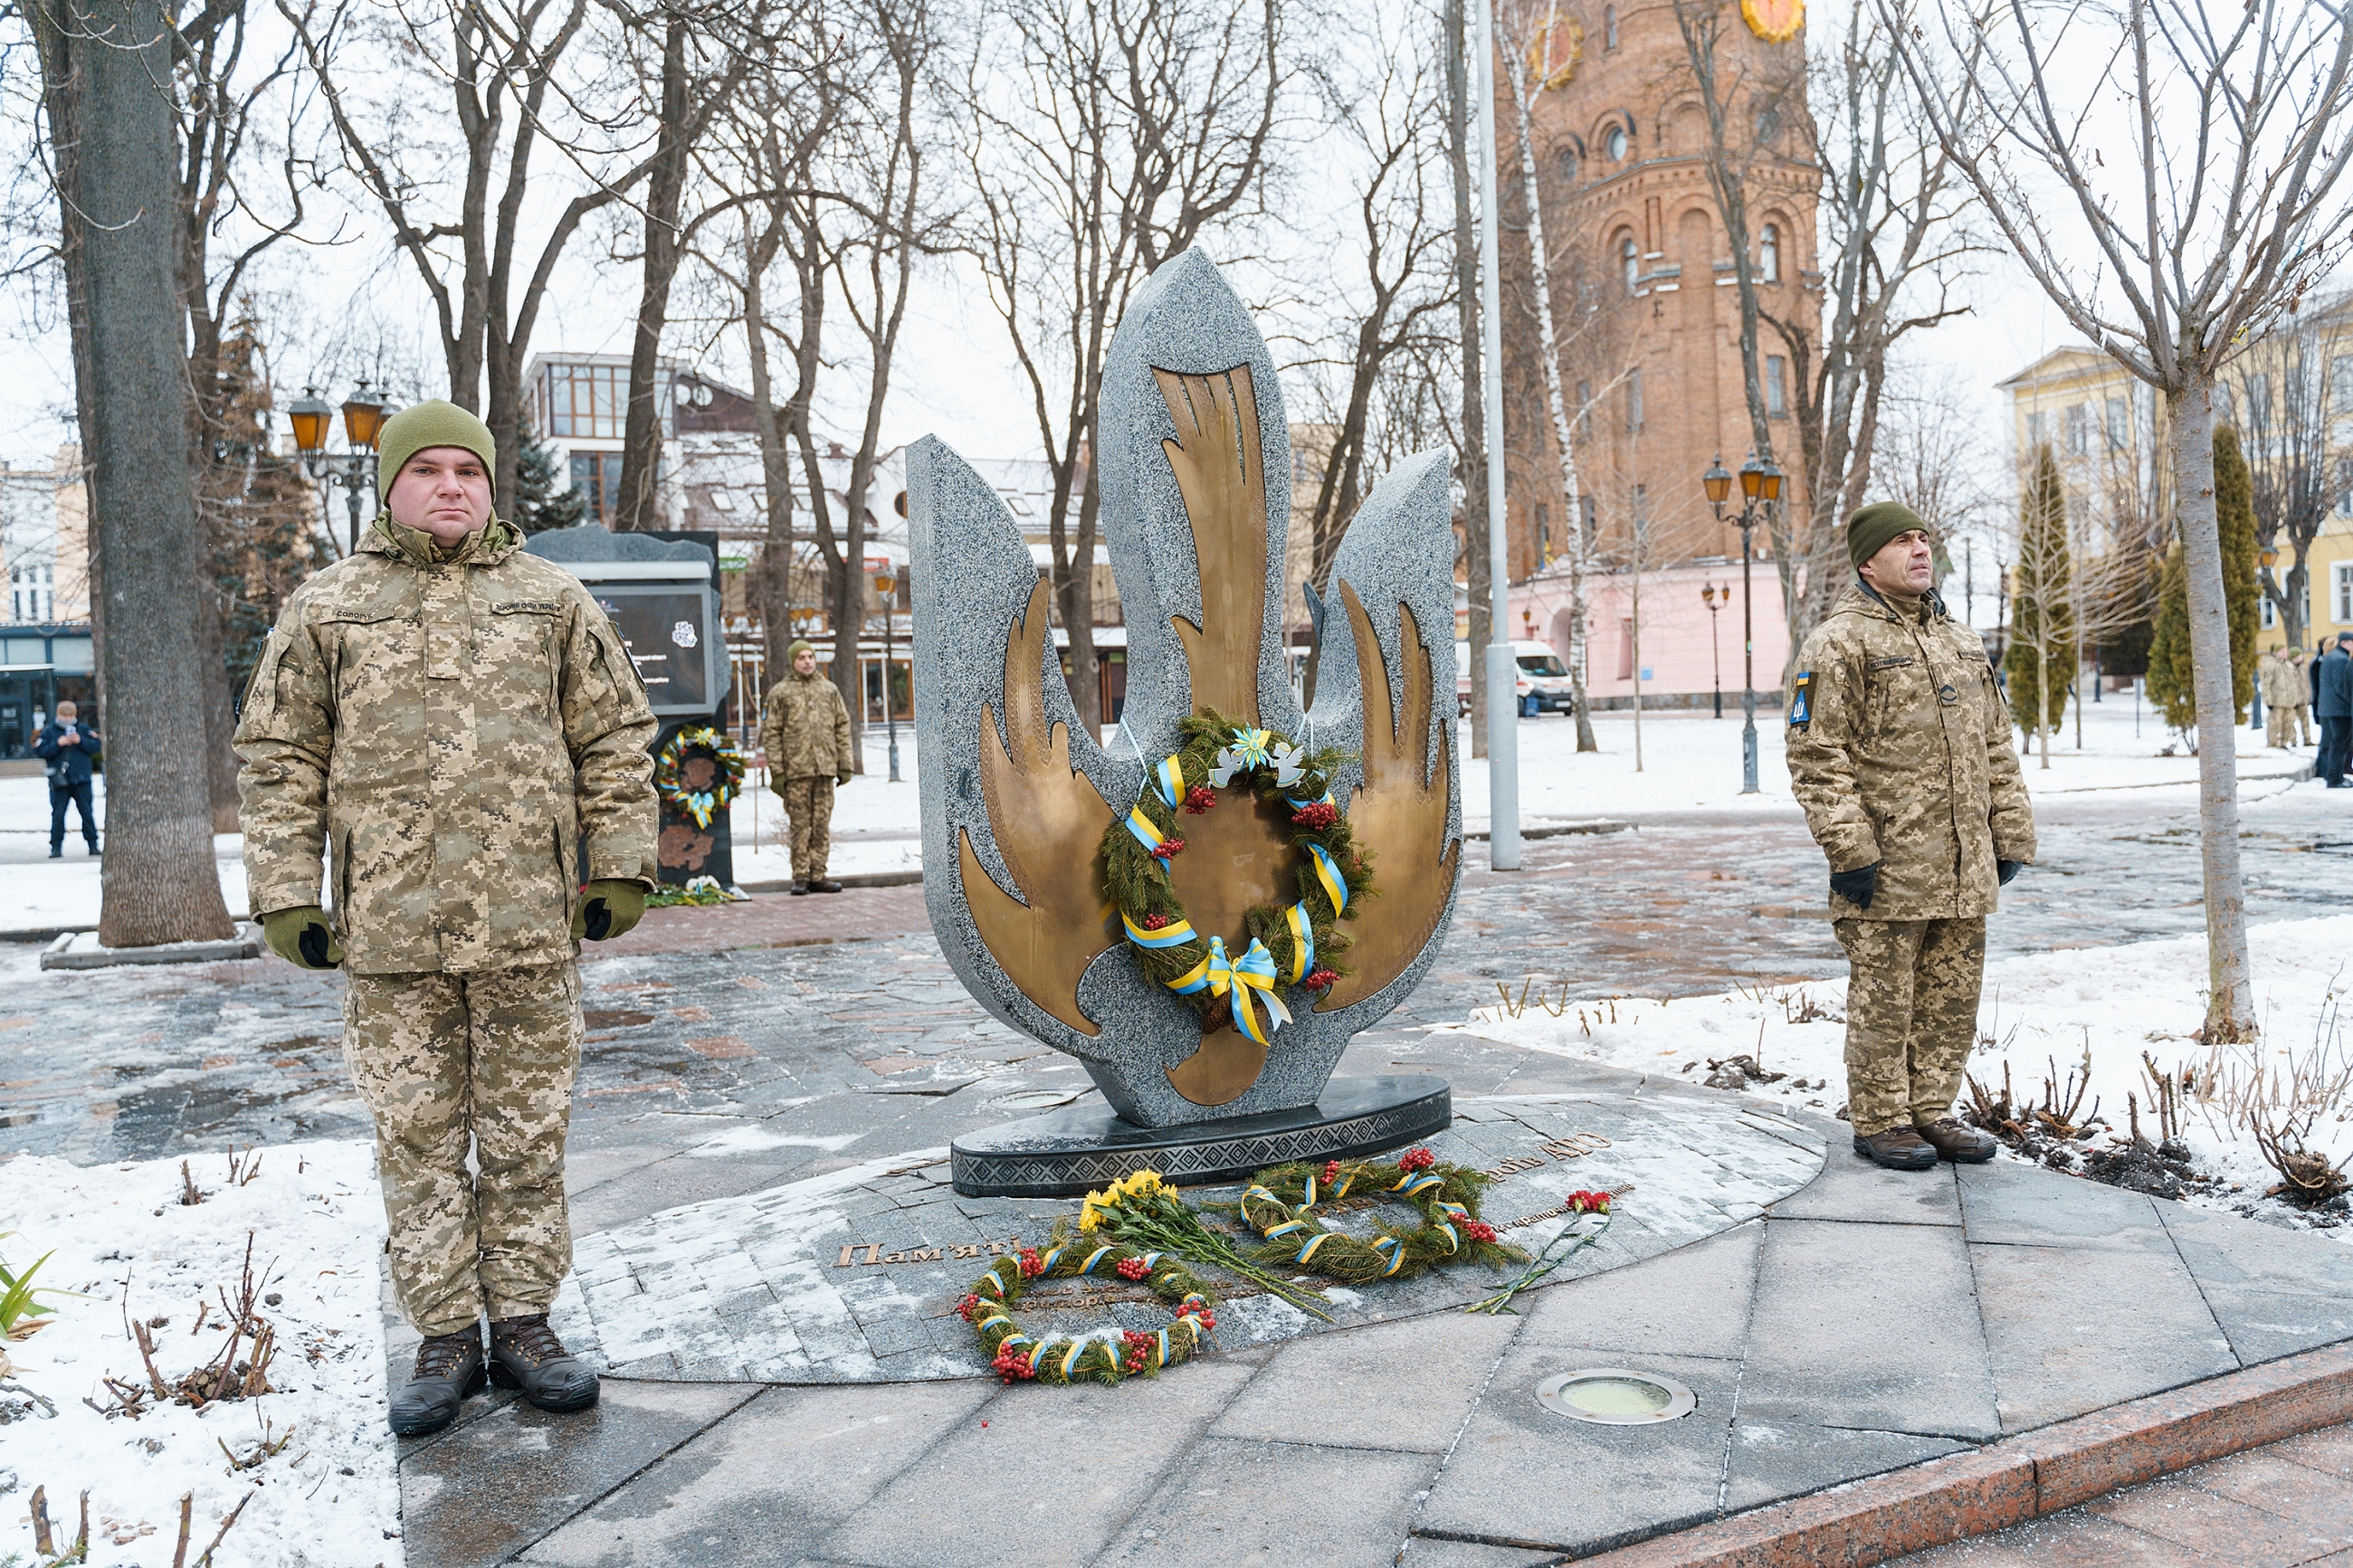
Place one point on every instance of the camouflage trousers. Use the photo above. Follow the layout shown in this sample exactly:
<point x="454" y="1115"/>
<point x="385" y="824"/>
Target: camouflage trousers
<point x="2290" y="726"/>
<point x="1911" y="1017"/>
<point x="808" y="808"/>
<point x="480" y="1063"/>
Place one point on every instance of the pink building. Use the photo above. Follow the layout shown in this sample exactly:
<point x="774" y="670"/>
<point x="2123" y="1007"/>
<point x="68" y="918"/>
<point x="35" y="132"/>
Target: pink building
<point x="1687" y="649"/>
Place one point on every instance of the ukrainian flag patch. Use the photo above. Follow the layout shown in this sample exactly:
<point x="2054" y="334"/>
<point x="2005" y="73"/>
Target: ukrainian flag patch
<point x="1801" y="700"/>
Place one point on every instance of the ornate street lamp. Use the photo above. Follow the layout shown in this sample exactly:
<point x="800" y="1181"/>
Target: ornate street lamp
<point x="884" y="585"/>
<point x="1760" y="487"/>
<point x="364" y="416"/>
<point x="1715" y="603"/>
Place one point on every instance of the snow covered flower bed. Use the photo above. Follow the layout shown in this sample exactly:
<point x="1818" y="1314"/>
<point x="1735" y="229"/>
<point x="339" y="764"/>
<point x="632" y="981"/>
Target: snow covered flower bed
<point x="2042" y="1018"/>
<point x="311" y="1461"/>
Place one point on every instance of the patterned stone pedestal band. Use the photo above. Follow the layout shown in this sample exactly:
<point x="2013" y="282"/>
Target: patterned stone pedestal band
<point x="1070" y="1152"/>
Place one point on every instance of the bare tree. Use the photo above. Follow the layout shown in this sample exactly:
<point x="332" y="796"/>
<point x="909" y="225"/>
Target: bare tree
<point x="1382" y="105"/>
<point x="2282" y="385"/>
<point x="107" y="74"/>
<point x="2222" y="211"/>
<point x="501" y="65"/>
<point x="1106" y="136"/>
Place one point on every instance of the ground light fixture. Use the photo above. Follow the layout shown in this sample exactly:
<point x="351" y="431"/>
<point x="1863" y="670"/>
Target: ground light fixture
<point x="1614" y="1396"/>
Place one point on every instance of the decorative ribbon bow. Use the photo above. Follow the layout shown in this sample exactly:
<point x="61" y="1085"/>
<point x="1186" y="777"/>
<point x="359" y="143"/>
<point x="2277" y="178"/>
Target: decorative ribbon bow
<point x="1221" y="975"/>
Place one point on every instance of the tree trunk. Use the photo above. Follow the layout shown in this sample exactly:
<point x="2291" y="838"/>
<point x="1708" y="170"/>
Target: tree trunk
<point x="1548" y="351"/>
<point x="1466" y="293"/>
<point x="775" y="581"/>
<point x="2230" y="1006"/>
<point x="159" y="882"/>
<point x="641" y="436"/>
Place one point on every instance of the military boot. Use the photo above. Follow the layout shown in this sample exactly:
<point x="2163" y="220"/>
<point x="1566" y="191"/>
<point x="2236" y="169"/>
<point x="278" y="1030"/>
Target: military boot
<point x="526" y="1355"/>
<point x="824" y="885"/>
<point x="1897" y="1149"/>
<point x="1962" y="1145"/>
<point x="448" y="1370"/>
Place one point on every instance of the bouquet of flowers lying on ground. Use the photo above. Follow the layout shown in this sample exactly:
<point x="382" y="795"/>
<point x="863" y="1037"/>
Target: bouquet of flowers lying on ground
<point x="1143" y="1211"/>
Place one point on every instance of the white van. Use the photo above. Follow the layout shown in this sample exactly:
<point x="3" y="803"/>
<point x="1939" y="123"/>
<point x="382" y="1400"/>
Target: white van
<point x="1543" y="679"/>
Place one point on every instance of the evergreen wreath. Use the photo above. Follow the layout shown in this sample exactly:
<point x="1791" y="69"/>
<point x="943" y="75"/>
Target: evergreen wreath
<point x="1295" y="945"/>
<point x="1280" y="1206"/>
<point x="1063" y="1359"/>
<point x="727" y="763"/>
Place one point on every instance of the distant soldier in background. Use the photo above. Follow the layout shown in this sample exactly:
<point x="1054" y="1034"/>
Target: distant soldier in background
<point x="805" y="743"/>
<point x="461" y="723"/>
<point x="1899" y="750"/>
<point x="2291" y="715"/>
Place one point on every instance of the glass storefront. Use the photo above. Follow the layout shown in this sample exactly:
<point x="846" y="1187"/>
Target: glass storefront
<point x="39" y="669"/>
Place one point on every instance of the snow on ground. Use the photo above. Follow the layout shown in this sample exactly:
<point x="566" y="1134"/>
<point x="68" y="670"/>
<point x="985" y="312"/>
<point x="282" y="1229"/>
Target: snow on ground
<point x="2040" y="1016"/>
<point x="1692" y="761"/>
<point x="119" y="1235"/>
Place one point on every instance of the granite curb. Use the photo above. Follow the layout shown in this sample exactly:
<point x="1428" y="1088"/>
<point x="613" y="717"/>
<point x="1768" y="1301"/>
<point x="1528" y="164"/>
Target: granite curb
<point x="2020" y="1477"/>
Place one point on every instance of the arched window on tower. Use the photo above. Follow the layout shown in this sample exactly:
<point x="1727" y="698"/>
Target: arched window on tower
<point x="1768" y="254"/>
<point x="1610" y="27"/>
<point x="1616" y="144"/>
<point x="1630" y="260"/>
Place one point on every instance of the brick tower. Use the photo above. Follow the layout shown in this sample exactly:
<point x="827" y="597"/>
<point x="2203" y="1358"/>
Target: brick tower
<point x="1642" y="281"/>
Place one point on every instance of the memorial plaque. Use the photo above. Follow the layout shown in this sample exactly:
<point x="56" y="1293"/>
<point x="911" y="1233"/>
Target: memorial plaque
<point x="672" y="633"/>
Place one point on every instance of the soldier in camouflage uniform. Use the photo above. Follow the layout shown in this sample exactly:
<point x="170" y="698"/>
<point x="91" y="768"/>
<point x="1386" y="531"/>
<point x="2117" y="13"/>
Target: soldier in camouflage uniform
<point x="458" y="723"/>
<point x="1900" y="753"/>
<point x="805" y="741"/>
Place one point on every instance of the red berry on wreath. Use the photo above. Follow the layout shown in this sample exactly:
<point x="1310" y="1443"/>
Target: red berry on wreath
<point x="1031" y="1265"/>
<point x="1012" y="1366"/>
<point x="969" y="1307"/>
<point x="1317" y="817"/>
<point x="1477" y="1230"/>
<point x="1154" y="921"/>
<point x="1134" y="1268"/>
<point x="1331" y="1172"/>
<point x="1416" y="1159"/>
<point x="1168" y="848"/>
<point x="1321" y="979"/>
<point x="1199" y="798"/>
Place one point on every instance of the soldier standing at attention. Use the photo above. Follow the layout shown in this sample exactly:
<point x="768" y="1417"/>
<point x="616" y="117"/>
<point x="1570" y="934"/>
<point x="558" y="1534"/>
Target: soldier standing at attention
<point x="805" y="745"/>
<point x="1900" y="753"/>
<point x="460" y="723"/>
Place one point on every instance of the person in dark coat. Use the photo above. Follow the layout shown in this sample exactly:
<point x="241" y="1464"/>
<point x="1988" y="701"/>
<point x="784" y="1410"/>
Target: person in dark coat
<point x="2332" y="680"/>
<point x="69" y="747"/>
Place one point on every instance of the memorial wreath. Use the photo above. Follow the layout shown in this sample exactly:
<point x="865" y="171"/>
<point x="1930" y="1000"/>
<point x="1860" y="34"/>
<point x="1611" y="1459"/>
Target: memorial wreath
<point x="1280" y="1206"/>
<point x="699" y="799"/>
<point x="1297" y="945"/>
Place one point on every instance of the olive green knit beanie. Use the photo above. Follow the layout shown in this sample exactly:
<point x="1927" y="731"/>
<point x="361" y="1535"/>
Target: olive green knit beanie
<point x="800" y="647"/>
<point x="1871" y="529"/>
<point x="433" y="423"/>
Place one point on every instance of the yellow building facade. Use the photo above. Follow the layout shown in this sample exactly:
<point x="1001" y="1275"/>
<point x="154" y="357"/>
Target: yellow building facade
<point x="2289" y="396"/>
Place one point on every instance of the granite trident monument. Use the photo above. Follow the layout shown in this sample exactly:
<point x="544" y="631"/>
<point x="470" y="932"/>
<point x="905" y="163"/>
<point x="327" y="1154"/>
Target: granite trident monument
<point x="1195" y="472"/>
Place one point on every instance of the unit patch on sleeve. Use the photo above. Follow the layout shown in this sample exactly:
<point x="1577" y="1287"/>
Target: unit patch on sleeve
<point x="1801" y="701"/>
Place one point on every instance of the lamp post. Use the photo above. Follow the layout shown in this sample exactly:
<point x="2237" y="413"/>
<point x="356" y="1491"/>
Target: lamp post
<point x="884" y="585"/>
<point x="364" y="416"/>
<point x="1715" y="603"/>
<point x="1760" y="487"/>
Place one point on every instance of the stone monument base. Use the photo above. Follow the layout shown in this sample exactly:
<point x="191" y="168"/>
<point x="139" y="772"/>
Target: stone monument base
<point x="1069" y="1153"/>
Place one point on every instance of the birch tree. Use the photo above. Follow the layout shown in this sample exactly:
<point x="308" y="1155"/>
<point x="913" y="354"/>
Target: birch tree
<point x="2224" y="207"/>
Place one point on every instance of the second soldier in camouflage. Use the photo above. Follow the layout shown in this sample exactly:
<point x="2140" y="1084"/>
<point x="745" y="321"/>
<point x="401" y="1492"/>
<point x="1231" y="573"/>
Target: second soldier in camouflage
<point x="1899" y="752"/>
<point x="455" y="726"/>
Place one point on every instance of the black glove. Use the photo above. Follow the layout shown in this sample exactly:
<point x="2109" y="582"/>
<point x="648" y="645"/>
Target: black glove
<point x="1856" y="886"/>
<point x="2006" y="869"/>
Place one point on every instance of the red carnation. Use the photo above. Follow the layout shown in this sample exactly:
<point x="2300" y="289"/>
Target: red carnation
<point x="1153" y="921"/>
<point x="1316" y="818"/>
<point x="1321" y="979"/>
<point x="1134" y="1268"/>
<point x="1199" y="798"/>
<point x="1416" y="1159"/>
<point x="1167" y="849"/>
<point x="1032" y="1264"/>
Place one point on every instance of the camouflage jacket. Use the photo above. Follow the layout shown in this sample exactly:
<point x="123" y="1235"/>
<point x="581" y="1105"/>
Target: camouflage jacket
<point x="455" y="726"/>
<point x="1900" y="753"/>
<point x="804" y="729"/>
<point x="2283" y="684"/>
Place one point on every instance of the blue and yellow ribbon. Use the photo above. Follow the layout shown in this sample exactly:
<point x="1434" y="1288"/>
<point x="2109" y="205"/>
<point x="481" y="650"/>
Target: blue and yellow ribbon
<point x="1327" y="871"/>
<point x="1303" y="941"/>
<point x="1219" y="975"/>
<point x="1147" y="832"/>
<point x="1175" y="934"/>
<point x="1169" y="776"/>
